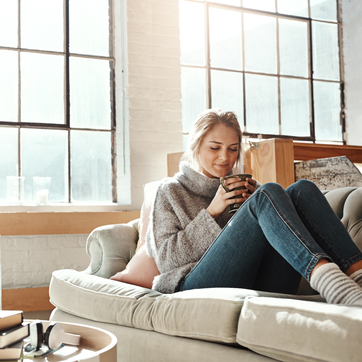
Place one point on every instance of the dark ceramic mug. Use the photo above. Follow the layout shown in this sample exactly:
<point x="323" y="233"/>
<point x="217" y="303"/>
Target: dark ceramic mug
<point x="242" y="177"/>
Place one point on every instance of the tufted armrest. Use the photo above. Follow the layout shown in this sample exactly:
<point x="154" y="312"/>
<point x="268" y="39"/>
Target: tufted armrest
<point x="111" y="247"/>
<point x="347" y="204"/>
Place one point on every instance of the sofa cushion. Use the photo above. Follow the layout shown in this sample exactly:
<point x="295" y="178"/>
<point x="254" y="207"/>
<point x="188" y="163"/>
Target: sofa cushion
<point x="149" y="193"/>
<point x="142" y="268"/>
<point x="207" y="314"/>
<point x="295" y="330"/>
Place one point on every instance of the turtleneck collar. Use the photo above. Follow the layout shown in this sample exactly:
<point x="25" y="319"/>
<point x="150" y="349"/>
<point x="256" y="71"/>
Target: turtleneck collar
<point x="196" y="181"/>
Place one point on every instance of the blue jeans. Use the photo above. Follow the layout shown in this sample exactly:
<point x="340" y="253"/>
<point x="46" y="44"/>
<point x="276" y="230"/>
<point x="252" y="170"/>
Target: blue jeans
<point x="275" y="237"/>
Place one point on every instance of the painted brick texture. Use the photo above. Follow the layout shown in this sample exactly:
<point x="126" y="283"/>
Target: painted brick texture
<point x="28" y="261"/>
<point x="154" y="90"/>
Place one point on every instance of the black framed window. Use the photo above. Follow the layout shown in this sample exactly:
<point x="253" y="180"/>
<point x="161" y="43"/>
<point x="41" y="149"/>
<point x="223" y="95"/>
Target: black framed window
<point x="57" y="98"/>
<point x="275" y="63"/>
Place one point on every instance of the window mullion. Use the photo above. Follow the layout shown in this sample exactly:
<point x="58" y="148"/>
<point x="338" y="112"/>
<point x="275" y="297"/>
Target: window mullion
<point x="278" y="75"/>
<point x="67" y="92"/>
<point x="312" y="121"/>
<point x="19" y="89"/>
<point x="66" y="61"/>
<point x="243" y="59"/>
<point x="207" y="55"/>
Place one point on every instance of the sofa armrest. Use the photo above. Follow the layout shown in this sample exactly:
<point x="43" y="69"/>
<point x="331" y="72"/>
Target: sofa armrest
<point x="111" y="247"/>
<point x="347" y="203"/>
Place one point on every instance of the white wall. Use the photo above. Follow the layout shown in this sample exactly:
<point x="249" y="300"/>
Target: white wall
<point x="28" y="261"/>
<point x="154" y="90"/>
<point x="351" y="11"/>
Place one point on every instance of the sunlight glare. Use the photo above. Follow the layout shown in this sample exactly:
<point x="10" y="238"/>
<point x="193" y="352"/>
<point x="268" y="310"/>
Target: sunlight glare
<point x="192" y="28"/>
<point x="8" y="23"/>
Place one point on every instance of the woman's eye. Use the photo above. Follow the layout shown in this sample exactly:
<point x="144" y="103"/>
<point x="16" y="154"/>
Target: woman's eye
<point x="233" y="149"/>
<point x="214" y="148"/>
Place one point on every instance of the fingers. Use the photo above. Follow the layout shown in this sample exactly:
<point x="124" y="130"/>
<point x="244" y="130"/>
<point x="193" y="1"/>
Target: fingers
<point x="239" y="195"/>
<point x="242" y="186"/>
<point x="250" y="184"/>
<point x="234" y="183"/>
<point x="230" y="183"/>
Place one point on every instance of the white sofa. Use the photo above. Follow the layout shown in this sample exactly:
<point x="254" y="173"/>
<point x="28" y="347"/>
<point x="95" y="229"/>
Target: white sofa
<point x="207" y="324"/>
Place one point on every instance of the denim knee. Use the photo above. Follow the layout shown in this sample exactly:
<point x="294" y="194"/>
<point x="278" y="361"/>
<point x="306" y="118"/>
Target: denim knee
<point x="303" y="187"/>
<point x="271" y="187"/>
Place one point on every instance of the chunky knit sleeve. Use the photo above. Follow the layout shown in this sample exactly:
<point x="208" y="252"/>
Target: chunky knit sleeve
<point x="180" y="229"/>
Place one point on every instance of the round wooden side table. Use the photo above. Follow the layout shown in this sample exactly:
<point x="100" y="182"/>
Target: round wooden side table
<point x="96" y="345"/>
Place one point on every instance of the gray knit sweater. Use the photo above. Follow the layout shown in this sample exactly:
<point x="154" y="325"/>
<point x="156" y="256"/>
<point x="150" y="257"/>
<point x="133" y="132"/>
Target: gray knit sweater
<point x="181" y="230"/>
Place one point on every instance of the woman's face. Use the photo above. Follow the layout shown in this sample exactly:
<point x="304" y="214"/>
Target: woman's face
<point x="218" y="151"/>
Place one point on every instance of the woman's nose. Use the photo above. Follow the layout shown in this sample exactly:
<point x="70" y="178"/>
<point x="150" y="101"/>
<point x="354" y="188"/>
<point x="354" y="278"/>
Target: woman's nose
<point x="223" y="155"/>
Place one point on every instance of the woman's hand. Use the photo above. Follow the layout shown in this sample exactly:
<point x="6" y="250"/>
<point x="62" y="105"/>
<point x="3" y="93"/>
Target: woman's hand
<point x="250" y="184"/>
<point x="223" y="199"/>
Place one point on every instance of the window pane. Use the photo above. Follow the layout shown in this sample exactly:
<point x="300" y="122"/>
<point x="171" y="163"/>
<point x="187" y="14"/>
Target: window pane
<point x="192" y="33"/>
<point x="261" y="103"/>
<point x="327" y="107"/>
<point x="225" y="39"/>
<point x="42" y="88"/>
<point x="323" y="9"/>
<point x="293" y="47"/>
<point x="293" y="7"/>
<point x="9" y="156"/>
<point x="227" y="92"/>
<point x="89" y="27"/>
<point x="266" y="5"/>
<point x="260" y="43"/>
<point x="44" y="153"/>
<point x="8" y="86"/>
<point x="193" y="90"/>
<point x="8" y="23"/>
<point x="90" y="102"/>
<point x="325" y="51"/>
<point x="91" y="166"/>
<point x="294" y="94"/>
<point x="42" y="24"/>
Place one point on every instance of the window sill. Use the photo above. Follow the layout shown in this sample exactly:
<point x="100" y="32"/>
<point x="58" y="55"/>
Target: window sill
<point x="61" y="207"/>
<point x="41" y="221"/>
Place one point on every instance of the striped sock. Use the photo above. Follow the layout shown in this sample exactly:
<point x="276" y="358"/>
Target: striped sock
<point x="335" y="286"/>
<point x="357" y="277"/>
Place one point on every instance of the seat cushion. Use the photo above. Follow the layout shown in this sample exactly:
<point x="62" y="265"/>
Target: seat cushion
<point x="295" y="330"/>
<point x="207" y="314"/>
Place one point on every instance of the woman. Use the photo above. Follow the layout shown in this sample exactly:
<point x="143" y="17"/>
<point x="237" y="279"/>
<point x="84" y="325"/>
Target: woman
<point x="275" y="237"/>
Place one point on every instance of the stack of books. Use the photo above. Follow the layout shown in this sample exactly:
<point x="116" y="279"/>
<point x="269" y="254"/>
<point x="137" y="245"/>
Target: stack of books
<point x="13" y="330"/>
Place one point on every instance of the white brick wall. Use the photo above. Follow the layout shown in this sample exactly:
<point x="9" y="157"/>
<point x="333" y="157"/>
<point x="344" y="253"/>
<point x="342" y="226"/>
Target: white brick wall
<point x="28" y="261"/>
<point x="154" y="89"/>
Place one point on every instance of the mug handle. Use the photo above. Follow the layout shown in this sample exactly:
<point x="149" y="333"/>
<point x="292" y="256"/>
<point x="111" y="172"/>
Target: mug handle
<point x="222" y="180"/>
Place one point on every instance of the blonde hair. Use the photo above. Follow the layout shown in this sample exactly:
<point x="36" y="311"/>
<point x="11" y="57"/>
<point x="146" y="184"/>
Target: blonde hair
<point x="204" y="123"/>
